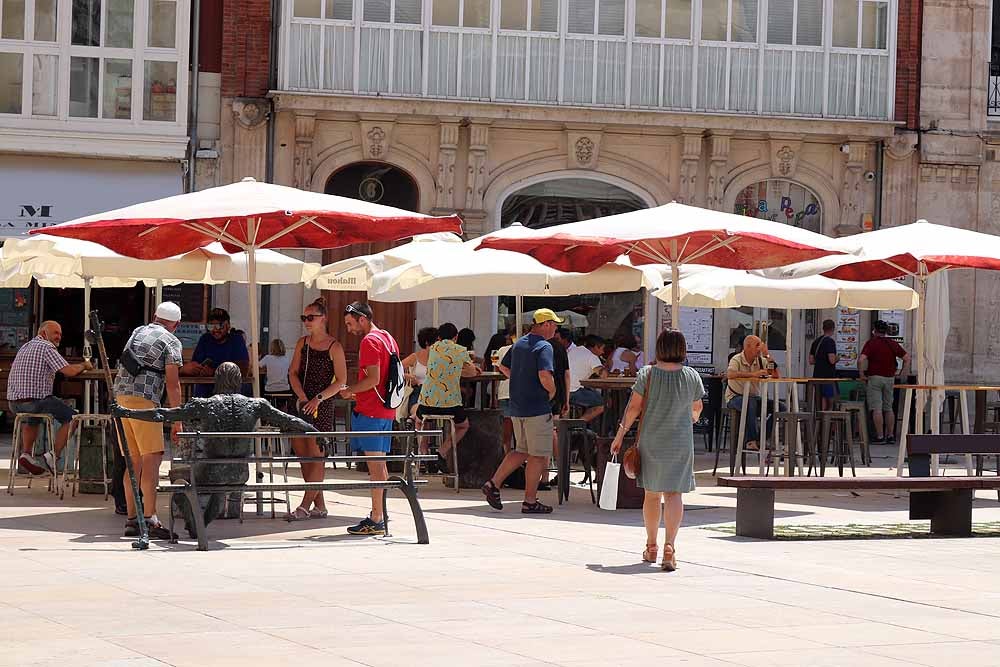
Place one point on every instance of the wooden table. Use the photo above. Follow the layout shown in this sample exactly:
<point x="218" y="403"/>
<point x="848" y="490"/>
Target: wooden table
<point x="485" y="380"/>
<point x="918" y="426"/>
<point x="613" y="388"/>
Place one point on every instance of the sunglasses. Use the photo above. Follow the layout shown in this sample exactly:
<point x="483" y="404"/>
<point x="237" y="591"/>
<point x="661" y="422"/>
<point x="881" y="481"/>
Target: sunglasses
<point x="351" y="310"/>
<point x="216" y="325"/>
<point x="309" y="318"/>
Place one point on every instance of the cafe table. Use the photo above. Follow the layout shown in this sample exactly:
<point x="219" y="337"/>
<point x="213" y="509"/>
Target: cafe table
<point x="935" y="423"/>
<point x="765" y="384"/>
<point x="485" y="380"/>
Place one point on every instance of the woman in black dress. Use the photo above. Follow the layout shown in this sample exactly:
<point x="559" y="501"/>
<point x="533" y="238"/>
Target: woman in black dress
<point x="317" y="374"/>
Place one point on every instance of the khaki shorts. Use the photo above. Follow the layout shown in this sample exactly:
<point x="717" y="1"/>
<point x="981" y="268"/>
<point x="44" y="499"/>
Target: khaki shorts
<point x="142" y="437"/>
<point x="879" y="393"/>
<point x="533" y="435"/>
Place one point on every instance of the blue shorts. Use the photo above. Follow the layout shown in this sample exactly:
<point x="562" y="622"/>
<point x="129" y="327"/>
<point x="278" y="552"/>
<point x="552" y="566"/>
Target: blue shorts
<point x="381" y="443"/>
<point x="586" y="397"/>
<point x="50" y="405"/>
<point x="504" y="404"/>
<point x="827" y="390"/>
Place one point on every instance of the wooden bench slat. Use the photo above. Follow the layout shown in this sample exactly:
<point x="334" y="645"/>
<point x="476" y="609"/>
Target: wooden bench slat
<point x="861" y="483"/>
<point x="954" y="443"/>
<point x="204" y="489"/>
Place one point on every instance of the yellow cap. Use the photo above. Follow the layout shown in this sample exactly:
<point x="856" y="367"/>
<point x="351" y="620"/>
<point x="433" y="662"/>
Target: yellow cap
<point x="543" y="315"/>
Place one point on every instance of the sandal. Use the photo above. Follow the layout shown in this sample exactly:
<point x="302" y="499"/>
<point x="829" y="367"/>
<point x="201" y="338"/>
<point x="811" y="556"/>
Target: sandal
<point x="300" y="514"/>
<point x="649" y="555"/>
<point x="535" y="508"/>
<point x="316" y="513"/>
<point x="669" y="563"/>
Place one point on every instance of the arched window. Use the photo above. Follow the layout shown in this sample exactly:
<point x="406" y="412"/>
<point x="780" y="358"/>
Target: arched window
<point x="376" y="182"/>
<point x="567" y="200"/>
<point x="781" y="201"/>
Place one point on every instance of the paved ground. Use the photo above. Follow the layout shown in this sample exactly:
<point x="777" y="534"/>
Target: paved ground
<point x="496" y="589"/>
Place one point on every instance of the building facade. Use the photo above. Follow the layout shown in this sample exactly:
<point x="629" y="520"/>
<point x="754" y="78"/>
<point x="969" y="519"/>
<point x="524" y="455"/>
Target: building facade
<point x="835" y="115"/>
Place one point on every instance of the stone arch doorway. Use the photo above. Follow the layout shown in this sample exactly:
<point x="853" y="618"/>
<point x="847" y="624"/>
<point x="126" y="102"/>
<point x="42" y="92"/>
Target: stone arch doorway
<point x="564" y="199"/>
<point x="376" y="182"/>
<point x="379" y="183"/>
<point x="781" y="200"/>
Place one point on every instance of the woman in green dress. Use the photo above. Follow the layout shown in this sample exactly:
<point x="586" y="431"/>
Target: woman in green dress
<point x="672" y="394"/>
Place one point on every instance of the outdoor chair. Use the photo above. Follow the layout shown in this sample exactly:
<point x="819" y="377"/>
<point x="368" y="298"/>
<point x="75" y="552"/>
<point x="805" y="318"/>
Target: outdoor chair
<point x="46" y="434"/>
<point x="859" y="418"/>
<point x="835" y="440"/>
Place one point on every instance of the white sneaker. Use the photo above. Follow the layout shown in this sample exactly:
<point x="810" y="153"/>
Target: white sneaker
<point x="50" y="462"/>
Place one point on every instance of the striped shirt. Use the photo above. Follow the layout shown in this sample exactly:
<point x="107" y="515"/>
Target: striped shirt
<point x="33" y="373"/>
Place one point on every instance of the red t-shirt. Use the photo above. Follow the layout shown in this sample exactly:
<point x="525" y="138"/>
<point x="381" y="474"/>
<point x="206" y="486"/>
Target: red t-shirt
<point x="882" y="353"/>
<point x="375" y="349"/>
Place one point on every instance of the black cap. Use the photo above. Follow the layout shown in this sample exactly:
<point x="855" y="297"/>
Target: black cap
<point x="218" y="315"/>
<point x="880" y="327"/>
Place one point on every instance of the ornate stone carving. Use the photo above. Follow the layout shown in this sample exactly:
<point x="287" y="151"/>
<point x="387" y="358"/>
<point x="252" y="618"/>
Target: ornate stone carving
<point x="899" y="174"/>
<point x="305" y="125"/>
<point x="475" y="181"/>
<point x="717" y="170"/>
<point x="583" y="148"/>
<point x="376" y="138"/>
<point x="785" y="157"/>
<point x="250" y="112"/>
<point x="446" y="167"/>
<point x="687" y="190"/>
<point x="901" y="146"/>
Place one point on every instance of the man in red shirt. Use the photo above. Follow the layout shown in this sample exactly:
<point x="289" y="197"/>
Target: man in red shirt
<point x="370" y="413"/>
<point x="877" y="364"/>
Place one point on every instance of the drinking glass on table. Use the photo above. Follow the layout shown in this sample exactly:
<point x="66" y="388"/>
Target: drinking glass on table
<point x="495" y="358"/>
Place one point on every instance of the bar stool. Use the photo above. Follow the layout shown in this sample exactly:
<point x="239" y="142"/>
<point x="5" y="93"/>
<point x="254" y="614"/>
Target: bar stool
<point x="566" y="429"/>
<point x="859" y="416"/>
<point x="446" y="424"/>
<point x="45" y="434"/>
<point x="273" y="446"/>
<point x="836" y="439"/>
<point x="725" y="437"/>
<point x="788" y="424"/>
<point x="71" y="473"/>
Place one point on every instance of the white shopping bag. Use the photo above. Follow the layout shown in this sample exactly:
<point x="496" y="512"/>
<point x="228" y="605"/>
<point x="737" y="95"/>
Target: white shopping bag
<point x="609" y="486"/>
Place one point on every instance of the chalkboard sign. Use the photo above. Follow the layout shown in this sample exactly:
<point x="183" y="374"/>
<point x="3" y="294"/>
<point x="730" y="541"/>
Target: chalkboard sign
<point x="191" y="299"/>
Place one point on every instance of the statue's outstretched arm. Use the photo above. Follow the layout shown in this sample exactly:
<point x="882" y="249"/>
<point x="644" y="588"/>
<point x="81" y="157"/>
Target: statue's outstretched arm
<point x="154" y="414"/>
<point x="286" y="422"/>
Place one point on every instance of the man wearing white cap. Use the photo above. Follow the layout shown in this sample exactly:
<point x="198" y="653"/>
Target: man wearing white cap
<point x="150" y="362"/>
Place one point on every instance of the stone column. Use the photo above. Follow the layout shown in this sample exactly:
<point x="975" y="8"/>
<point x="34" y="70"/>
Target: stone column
<point x="718" y="167"/>
<point x="305" y="126"/>
<point x="687" y="191"/>
<point x="447" y="154"/>
<point x="475" y="183"/>
<point x="851" y="192"/>
<point x="250" y="138"/>
<point x="899" y="174"/>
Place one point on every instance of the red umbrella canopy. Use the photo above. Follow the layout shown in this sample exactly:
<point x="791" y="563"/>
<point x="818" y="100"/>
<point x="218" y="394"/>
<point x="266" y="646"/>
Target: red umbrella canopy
<point x="247" y="215"/>
<point x="665" y="234"/>
<point x="920" y="248"/>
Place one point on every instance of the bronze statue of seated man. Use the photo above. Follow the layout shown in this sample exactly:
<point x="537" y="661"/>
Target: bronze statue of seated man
<point x="226" y="411"/>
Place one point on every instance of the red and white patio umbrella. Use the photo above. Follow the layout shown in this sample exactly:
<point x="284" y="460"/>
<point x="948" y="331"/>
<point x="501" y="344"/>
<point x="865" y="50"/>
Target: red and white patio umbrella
<point x="920" y="250"/>
<point x="248" y="216"/>
<point x="673" y="234"/>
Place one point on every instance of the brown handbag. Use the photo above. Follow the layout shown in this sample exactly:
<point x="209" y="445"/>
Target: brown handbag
<point x="632" y="462"/>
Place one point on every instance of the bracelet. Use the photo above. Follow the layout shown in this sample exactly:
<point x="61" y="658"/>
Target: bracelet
<point x="622" y="427"/>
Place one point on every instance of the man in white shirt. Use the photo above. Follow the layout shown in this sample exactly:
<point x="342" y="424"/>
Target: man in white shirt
<point x="585" y="362"/>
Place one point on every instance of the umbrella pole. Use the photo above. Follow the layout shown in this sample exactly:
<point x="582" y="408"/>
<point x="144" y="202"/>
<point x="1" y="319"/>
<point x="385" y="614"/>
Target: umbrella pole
<point x="675" y="288"/>
<point x="159" y="292"/>
<point x="437" y="314"/>
<point x="254" y="335"/>
<point x="87" y="352"/>
<point x="921" y="366"/>
<point x="649" y="327"/>
<point x="518" y="312"/>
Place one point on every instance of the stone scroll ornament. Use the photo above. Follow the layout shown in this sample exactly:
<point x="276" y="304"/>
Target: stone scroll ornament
<point x="226" y="411"/>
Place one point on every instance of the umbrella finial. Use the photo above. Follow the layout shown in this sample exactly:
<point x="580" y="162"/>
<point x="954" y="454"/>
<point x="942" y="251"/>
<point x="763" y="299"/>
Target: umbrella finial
<point x="248" y="179"/>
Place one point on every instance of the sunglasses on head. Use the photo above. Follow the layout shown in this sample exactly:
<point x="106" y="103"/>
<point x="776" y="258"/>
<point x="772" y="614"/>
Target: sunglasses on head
<point x="351" y="310"/>
<point x="309" y="318"/>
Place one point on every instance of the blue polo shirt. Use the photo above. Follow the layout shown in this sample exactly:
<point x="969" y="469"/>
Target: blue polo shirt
<point x="233" y="348"/>
<point x="529" y="355"/>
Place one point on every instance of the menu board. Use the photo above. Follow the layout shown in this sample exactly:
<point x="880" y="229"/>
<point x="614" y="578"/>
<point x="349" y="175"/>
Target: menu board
<point x="896" y="319"/>
<point x="15" y="316"/>
<point x="697" y="325"/>
<point x="848" y="338"/>
<point x="191" y="299"/>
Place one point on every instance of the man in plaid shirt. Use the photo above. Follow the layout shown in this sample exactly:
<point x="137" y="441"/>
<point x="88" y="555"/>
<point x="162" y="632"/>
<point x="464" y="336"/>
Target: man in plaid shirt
<point x="158" y="352"/>
<point x="29" y="390"/>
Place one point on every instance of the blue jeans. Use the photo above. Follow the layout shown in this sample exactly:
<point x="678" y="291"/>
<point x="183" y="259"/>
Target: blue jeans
<point x="50" y="405"/>
<point x="753" y="417"/>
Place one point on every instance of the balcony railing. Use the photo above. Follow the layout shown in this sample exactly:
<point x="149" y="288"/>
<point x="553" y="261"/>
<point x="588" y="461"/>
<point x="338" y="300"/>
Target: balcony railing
<point x="993" y="91"/>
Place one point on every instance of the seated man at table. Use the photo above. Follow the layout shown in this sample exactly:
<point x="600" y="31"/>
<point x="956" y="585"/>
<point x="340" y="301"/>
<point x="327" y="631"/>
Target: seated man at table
<point x="29" y="390"/>
<point x="441" y="392"/>
<point x="753" y="362"/>
<point x="585" y="363"/>
<point x="219" y="344"/>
